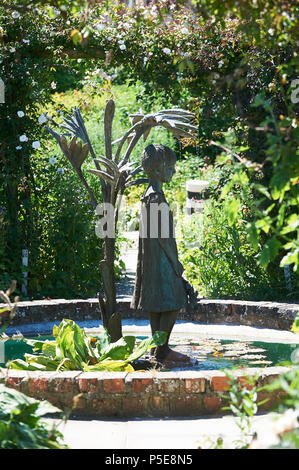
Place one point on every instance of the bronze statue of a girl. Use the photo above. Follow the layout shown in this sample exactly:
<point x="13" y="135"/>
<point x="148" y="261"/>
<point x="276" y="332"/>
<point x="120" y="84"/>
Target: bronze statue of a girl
<point x="159" y="286"/>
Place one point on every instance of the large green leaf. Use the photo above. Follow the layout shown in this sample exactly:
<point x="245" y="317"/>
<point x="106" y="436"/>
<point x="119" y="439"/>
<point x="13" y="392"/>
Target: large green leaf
<point x="11" y="399"/>
<point x="111" y="366"/>
<point x="49" y="363"/>
<point x="20" y="364"/>
<point x="47" y="347"/>
<point x="103" y="342"/>
<point x="73" y="343"/>
<point x="120" y="350"/>
<point x="158" y="339"/>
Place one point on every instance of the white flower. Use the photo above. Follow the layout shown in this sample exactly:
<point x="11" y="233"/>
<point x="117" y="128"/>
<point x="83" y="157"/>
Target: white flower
<point x="26" y="41"/>
<point x="166" y="50"/>
<point x="21" y="114"/>
<point x="36" y="144"/>
<point x="122" y="47"/>
<point x="15" y="14"/>
<point x="220" y="63"/>
<point x="42" y="119"/>
<point x="52" y="160"/>
<point x="19" y="147"/>
<point x="187" y="54"/>
<point x="271" y="31"/>
<point x="60" y="171"/>
<point x="100" y="26"/>
<point x="53" y="85"/>
<point x="12" y="49"/>
<point x="23" y="138"/>
<point x="145" y="59"/>
<point x="184" y="31"/>
<point x="121" y="41"/>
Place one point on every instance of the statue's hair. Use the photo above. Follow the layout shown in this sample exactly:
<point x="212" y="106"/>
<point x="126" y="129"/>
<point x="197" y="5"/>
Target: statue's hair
<point x="156" y="156"/>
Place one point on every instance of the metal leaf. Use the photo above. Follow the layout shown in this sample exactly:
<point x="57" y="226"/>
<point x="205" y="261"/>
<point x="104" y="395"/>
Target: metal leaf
<point x="134" y="118"/>
<point x="177" y="132"/>
<point x="102" y="174"/>
<point x="125" y="166"/>
<point x="108" y="118"/>
<point x="178" y="111"/>
<point x="183" y="124"/>
<point x="108" y="163"/>
<point x="54" y="134"/>
<point x="134" y="173"/>
<point x="175" y="117"/>
<point x="136" y="182"/>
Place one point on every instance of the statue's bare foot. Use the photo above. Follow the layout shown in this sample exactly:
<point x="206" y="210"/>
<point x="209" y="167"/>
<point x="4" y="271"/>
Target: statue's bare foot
<point x="173" y="357"/>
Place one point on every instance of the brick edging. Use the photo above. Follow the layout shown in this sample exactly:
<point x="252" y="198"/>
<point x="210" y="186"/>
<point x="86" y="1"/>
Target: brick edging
<point x="144" y="394"/>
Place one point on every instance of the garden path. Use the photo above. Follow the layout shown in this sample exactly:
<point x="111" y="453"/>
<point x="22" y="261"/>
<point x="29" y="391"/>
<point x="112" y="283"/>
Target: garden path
<point x="138" y="433"/>
<point x="125" y="286"/>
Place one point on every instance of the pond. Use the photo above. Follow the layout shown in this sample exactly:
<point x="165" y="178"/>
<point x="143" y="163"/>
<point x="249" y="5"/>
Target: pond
<point x="208" y="353"/>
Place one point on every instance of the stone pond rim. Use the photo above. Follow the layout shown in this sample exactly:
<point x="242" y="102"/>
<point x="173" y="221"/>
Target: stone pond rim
<point x="272" y="315"/>
<point x="151" y="393"/>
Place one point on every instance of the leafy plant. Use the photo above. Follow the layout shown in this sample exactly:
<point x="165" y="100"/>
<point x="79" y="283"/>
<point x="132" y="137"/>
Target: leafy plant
<point x="218" y="258"/>
<point x="243" y="405"/>
<point x="72" y="349"/>
<point x="287" y="426"/>
<point x="21" y="424"/>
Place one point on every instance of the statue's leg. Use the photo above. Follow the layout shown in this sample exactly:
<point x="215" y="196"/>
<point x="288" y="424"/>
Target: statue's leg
<point x="162" y="322"/>
<point x="165" y="322"/>
<point x="155" y="318"/>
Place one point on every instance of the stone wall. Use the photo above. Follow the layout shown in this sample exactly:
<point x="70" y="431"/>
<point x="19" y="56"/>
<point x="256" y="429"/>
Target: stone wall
<point x="236" y="312"/>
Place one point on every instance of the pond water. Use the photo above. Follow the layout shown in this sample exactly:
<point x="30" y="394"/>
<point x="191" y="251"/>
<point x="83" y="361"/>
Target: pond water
<point x="209" y="353"/>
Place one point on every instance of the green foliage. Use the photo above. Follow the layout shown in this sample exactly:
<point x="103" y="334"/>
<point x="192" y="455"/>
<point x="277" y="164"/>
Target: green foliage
<point x="243" y="405"/>
<point x="72" y="349"/>
<point x="21" y="424"/>
<point x="220" y="261"/>
<point x="235" y="66"/>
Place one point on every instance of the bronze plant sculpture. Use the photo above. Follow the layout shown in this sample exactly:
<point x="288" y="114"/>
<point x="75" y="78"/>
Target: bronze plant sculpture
<point x="116" y="173"/>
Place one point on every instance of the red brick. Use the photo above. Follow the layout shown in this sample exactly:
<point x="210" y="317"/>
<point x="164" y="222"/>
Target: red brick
<point x="141" y="385"/>
<point x="88" y="385"/>
<point x="185" y="404"/>
<point x="38" y="385"/>
<point x="220" y="383"/>
<point x="196" y="385"/>
<point x="62" y="384"/>
<point x="243" y="383"/>
<point x="14" y="382"/>
<point x="159" y="405"/>
<point x="167" y="382"/>
<point x="134" y="406"/>
<point x="113" y="385"/>
<point x="107" y="406"/>
<point x="212" y="403"/>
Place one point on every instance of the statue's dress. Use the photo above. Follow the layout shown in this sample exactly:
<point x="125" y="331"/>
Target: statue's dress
<point x="157" y="287"/>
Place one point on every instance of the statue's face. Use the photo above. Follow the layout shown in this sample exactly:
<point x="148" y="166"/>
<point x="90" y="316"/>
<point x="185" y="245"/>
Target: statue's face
<point x="167" y="172"/>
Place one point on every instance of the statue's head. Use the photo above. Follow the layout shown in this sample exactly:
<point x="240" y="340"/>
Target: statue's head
<point x="158" y="162"/>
